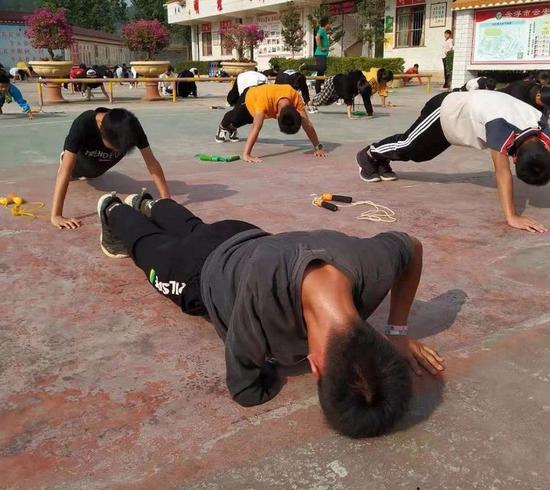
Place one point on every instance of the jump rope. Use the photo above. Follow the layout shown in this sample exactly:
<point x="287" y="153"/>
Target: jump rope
<point x="19" y="207"/>
<point x="377" y="212"/>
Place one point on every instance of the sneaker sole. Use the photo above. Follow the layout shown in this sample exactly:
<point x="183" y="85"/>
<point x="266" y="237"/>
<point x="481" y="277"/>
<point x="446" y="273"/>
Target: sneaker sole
<point x="103" y="249"/>
<point x="220" y="141"/>
<point x="388" y="179"/>
<point x="370" y="181"/>
<point x="234" y="141"/>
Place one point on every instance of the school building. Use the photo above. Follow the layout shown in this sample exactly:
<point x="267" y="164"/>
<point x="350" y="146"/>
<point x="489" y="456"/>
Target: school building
<point x="89" y="46"/>
<point x="208" y="18"/>
<point x="500" y="35"/>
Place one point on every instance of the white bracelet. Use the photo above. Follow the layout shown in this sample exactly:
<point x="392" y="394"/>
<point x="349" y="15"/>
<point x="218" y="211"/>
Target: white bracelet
<point x="396" y="330"/>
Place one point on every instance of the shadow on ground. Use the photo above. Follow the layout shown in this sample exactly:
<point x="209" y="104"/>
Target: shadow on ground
<point x="523" y="194"/>
<point x="124" y="184"/>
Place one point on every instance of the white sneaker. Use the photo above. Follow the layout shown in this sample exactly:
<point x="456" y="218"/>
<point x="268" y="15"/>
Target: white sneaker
<point x="312" y="109"/>
<point x="222" y="136"/>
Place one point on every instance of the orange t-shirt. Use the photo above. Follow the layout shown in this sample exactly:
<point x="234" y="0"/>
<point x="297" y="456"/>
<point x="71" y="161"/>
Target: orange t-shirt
<point x="264" y="98"/>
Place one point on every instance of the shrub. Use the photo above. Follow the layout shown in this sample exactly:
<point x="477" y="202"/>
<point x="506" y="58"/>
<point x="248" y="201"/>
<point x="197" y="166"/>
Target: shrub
<point x="343" y="65"/>
<point x="49" y="30"/>
<point x="202" y="66"/>
<point x="149" y="36"/>
<point x="241" y="36"/>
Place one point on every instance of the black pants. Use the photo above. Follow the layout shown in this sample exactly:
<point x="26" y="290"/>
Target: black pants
<point x="297" y="81"/>
<point x="171" y="247"/>
<point x="423" y="141"/>
<point x="445" y="74"/>
<point x="238" y="116"/>
<point x="233" y="95"/>
<point x="320" y="67"/>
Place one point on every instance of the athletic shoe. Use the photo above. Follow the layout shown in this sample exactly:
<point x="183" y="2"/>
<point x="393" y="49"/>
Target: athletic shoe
<point x="234" y="137"/>
<point x="222" y="135"/>
<point x="109" y="244"/>
<point x="137" y="201"/>
<point x="386" y="172"/>
<point x="311" y="109"/>
<point x="368" y="168"/>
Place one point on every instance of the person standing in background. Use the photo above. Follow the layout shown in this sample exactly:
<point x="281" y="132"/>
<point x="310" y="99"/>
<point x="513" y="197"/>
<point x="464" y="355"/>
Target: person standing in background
<point x="321" y="52"/>
<point x="447" y="46"/>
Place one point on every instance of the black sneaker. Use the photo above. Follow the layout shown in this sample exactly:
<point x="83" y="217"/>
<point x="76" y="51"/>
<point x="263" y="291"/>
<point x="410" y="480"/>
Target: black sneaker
<point x="109" y="244"/>
<point x="140" y="202"/>
<point x="368" y="168"/>
<point x="301" y="67"/>
<point x="222" y="135"/>
<point x="386" y="172"/>
<point x="234" y="136"/>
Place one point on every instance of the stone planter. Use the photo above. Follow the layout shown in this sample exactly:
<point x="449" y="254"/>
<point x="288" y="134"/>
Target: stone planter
<point x="150" y="69"/>
<point x="52" y="69"/>
<point x="233" y="68"/>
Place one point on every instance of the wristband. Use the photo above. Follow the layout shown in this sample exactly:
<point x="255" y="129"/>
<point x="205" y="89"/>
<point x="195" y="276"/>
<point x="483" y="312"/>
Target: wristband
<point x="396" y="330"/>
<point x="319" y="146"/>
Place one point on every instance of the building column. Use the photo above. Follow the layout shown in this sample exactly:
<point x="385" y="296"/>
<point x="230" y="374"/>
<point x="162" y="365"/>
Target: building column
<point x="463" y="41"/>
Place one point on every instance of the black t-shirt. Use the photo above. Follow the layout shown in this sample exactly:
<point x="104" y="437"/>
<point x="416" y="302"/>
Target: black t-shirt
<point x="251" y="287"/>
<point x="85" y="140"/>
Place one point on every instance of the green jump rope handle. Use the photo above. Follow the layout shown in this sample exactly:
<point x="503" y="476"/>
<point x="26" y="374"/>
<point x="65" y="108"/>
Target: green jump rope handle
<point x="329" y="206"/>
<point x="205" y="157"/>
<point x="337" y="198"/>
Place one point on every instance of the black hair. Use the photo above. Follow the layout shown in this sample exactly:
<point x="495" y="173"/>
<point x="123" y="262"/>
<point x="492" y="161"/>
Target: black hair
<point x="544" y="91"/>
<point x="290" y="120"/>
<point x="448" y="31"/>
<point x="82" y="66"/>
<point x="383" y="75"/>
<point x="324" y="21"/>
<point x="366" y="385"/>
<point x="533" y="162"/>
<point x="4" y="77"/>
<point x="121" y="129"/>
<point x="416" y="65"/>
<point x="487" y="83"/>
<point x="543" y="76"/>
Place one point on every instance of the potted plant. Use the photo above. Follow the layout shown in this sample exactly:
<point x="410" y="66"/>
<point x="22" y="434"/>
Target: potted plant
<point x="50" y="30"/>
<point x="149" y="37"/>
<point x="238" y="38"/>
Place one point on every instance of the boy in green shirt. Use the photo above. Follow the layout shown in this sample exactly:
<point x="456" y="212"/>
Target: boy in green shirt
<point x="321" y="52"/>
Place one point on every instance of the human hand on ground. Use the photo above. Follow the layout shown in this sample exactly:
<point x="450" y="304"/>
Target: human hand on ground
<point x="525" y="223"/>
<point x="320" y="153"/>
<point x="31" y="115"/>
<point x="418" y="355"/>
<point x="61" y="222"/>
<point x="251" y="159"/>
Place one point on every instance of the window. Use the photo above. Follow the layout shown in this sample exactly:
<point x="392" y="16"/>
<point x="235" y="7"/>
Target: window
<point x="410" y="26"/>
<point x="207" y="44"/>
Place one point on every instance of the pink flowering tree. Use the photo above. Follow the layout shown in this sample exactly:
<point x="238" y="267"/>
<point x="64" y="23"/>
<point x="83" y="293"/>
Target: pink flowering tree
<point x="241" y="36"/>
<point x="49" y="30"/>
<point x="148" y="36"/>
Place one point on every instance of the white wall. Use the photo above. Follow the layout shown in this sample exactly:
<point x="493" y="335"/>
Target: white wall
<point x="428" y="56"/>
<point x="464" y="32"/>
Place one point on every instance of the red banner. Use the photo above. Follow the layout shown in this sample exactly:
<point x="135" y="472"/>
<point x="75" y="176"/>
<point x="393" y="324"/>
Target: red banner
<point x="206" y="27"/>
<point x="196" y="6"/>
<point x="220" y="5"/>
<point x="339" y="8"/>
<point x="408" y="3"/>
<point x="225" y="24"/>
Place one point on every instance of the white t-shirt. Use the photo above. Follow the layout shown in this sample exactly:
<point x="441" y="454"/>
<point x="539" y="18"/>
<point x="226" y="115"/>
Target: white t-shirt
<point x="472" y="84"/>
<point x="249" y="79"/>
<point x="487" y="119"/>
<point x="446" y="47"/>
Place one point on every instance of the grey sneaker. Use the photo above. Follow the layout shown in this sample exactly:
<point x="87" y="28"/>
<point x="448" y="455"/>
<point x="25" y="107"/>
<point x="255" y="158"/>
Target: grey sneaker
<point x="368" y="168"/>
<point x="386" y="172"/>
<point x="222" y="136"/>
<point x="111" y="246"/>
<point x="140" y="202"/>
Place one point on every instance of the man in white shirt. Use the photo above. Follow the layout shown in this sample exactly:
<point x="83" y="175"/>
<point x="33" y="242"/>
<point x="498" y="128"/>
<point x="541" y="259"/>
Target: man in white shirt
<point x="446" y="47"/>
<point x="482" y="119"/>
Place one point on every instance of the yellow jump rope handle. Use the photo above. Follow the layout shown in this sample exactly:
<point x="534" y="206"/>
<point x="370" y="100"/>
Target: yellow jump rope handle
<point x="336" y="197"/>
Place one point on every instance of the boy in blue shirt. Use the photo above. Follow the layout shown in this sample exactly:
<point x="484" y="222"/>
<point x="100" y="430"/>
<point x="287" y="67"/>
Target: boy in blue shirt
<point x="9" y="92"/>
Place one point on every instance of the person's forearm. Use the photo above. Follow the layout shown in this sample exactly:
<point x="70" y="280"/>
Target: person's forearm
<point x="310" y="131"/>
<point x="505" y="184"/>
<point x="159" y="180"/>
<point x="404" y="289"/>
<point x="251" y="140"/>
<point x="349" y="110"/>
<point x="60" y="191"/>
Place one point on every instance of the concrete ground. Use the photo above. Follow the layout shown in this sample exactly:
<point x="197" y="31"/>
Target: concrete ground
<point x="105" y="384"/>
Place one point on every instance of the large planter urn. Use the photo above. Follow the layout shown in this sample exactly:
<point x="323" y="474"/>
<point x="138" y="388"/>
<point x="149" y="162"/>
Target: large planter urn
<point x="52" y="69"/>
<point x="150" y="69"/>
<point x="233" y="68"/>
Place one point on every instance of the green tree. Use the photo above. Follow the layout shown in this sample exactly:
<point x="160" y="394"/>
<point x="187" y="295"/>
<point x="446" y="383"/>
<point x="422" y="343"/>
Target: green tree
<point x="292" y="31"/>
<point x="371" y="13"/>
<point x="101" y="15"/>
<point x="337" y="29"/>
